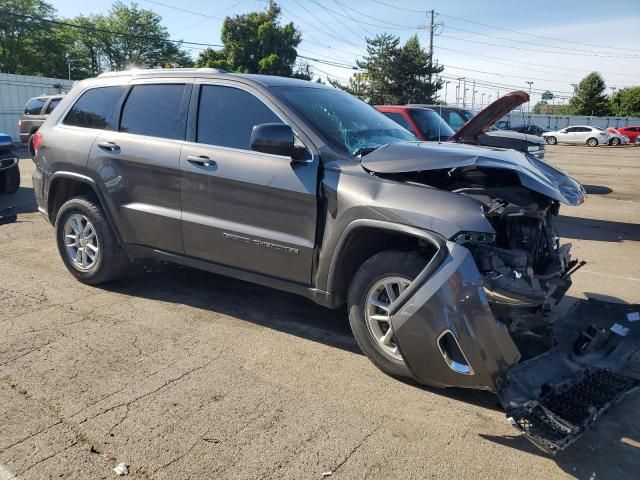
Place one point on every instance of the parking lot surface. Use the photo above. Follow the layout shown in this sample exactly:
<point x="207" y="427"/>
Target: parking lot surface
<point x="184" y="374"/>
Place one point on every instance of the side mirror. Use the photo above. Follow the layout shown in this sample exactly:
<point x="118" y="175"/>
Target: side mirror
<point x="273" y="138"/>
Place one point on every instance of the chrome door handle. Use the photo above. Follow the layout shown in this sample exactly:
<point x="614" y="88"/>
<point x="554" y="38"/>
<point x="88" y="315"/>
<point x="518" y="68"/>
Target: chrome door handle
<point x="201" y="161"/>
<point x="109" y="146"/>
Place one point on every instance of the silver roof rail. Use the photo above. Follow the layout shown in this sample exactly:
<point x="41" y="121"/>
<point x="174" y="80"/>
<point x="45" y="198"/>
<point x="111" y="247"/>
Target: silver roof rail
<point x="160" y="71"/>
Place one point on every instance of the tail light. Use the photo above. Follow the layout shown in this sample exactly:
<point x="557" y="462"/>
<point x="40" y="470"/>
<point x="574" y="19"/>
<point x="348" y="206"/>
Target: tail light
<point x="36" y="141"/>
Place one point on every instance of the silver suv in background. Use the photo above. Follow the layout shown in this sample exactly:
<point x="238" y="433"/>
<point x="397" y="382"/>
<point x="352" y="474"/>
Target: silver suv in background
<point x="35" y="113"/>
<point x="579" y="134"/>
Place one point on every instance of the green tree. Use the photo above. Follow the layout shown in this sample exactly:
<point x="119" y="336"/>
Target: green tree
<point x="25" y="42"/>
<point x="537" y="108"/>
<point x="626" y="102"/>
<point x="136" y="38"/>
<point x="395" y="74"/>
<point x="590" y="98"/>
<point x="257" y="42"/>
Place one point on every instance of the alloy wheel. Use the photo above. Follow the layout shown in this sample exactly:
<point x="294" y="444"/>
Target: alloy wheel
<point x="379" y="300"/>
<point x="81" y="242"/>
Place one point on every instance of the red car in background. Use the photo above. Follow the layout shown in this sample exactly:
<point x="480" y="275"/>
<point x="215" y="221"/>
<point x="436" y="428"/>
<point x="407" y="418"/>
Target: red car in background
<point x="631" y="132"/>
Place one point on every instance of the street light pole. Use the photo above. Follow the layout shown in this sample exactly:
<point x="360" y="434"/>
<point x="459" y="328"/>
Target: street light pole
<point x="529" y="103"/>
<point x="464" y="96"/>
<point x="445" y="91"/>
<point x="457" y="95"/>
<point x="482" y="101"/>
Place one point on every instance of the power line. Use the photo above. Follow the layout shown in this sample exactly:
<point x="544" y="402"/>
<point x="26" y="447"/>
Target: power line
<point x="522" y="41"/>
<point x="517" y="63"/>
<point x="537" y="50"/>
<point x="323" y="23"/>
<point x="367" y="32"/>
<point x="338" y="20"/>
<point x="532" y="34"/>
<point x="400" y="8"/>
<point x="403" y="27"/>
<point x="183" y="9"/>
<point x="103" y="30"/>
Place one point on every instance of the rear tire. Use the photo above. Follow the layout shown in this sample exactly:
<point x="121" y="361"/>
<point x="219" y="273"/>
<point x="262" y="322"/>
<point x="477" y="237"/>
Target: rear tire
<point x="396" y="268"/>
<point x="83" y="218"/>
<point x="551" y="140"/>
<point x="592" y="142"/>
<point x="11" y="180"/>
<point x="614" y="142"/>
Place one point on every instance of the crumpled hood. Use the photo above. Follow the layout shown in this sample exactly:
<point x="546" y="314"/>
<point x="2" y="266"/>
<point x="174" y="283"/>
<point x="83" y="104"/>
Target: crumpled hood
<point x="534" y="174"/>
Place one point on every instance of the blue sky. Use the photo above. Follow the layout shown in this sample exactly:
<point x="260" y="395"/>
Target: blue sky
<point x="552" y="44"/>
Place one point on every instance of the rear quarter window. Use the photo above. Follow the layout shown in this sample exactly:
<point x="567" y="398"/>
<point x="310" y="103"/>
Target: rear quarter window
<point x="95" y="108"/>
<point x="52" y="104"/>
<point x="34" y="106"/>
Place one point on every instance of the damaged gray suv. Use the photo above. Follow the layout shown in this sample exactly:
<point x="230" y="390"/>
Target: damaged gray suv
<point x="444" y="253"/>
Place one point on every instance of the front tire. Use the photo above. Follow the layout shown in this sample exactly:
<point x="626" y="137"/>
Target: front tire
<point x="592" y="142"/>
<point x="614" y="142"/>
<point x="376" y="284"/>
<point x="551" y="140"/>
<point x="88" y="247"/>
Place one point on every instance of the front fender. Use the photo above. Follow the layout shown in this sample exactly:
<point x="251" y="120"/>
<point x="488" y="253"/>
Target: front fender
<point x="446" y="331"/>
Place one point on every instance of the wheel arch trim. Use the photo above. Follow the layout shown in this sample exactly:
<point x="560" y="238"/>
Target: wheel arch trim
<point x="94" y="187"/>
<point x="354" y="226"/>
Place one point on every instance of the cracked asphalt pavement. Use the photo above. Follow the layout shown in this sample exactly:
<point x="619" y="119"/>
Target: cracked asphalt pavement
<point x="183" y="374"/>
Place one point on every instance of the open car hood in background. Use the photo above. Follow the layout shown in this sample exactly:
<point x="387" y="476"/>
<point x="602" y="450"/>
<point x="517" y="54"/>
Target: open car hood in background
<point x="534" y="174"/>
<point x="490" y="115"/>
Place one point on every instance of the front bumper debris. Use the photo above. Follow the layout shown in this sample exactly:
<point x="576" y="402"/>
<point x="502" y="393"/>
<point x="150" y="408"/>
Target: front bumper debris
<point x="449" y="337"/>
<point x="555" y="397"/>
<point x="446" y="331"/>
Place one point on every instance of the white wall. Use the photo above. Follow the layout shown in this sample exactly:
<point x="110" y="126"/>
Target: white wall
<point x="15" y="90"/>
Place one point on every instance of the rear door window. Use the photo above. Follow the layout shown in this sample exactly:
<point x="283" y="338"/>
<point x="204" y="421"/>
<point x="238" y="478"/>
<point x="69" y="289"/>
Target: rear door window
<point x="52" y="104"/>
<point x="34" y="106"/>
<point x="95" y="108"/>
<point x="227" y="115"/>
<point x="153" y="110"/>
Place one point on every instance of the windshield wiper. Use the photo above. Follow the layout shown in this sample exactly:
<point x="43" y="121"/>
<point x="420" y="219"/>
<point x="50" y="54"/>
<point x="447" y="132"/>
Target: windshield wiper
<point x="362" y="151"/>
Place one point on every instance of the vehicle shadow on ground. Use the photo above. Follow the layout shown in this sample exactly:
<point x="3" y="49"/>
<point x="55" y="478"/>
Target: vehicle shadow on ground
<point x="270" y="308"/>
<point x="598" y="230"/>
<point x="597" y="189"/>
<point x="22" y="199"/>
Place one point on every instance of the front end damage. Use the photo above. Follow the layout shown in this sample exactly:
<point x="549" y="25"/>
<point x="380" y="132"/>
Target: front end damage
<point x="483" y="316"/>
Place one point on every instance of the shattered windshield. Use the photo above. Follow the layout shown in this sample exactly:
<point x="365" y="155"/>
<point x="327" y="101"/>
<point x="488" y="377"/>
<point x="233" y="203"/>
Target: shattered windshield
<point x="346" y="122"/>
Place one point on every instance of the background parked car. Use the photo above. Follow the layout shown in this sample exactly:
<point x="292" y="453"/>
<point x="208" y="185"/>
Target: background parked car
<point x="9" y="170"/>
<point x="528" y="129"/>
<point x="423" y="122"/>
<point x="35" y="113"/>
<point x="579" y="134"/>
<point x="481" y="126"/>
<point x="632" y="132"/>
<point x="617" y="138"/>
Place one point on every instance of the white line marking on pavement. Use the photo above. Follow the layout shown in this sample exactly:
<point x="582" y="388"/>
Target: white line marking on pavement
<point x="621" y="277"/>
<point x="5" y="473"/>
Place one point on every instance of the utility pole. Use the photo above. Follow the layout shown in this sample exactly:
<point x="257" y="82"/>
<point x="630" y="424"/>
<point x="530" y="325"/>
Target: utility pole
<point x="529" y="103"/>
<point x="575" y="87"/>
<point x="431" y="28"/>
<point x="445" y="90"/>
<point x="457" y="95"/>
<point x="464" y="92"/>
<point x="473" y="95"/>
<point x="482" y="101"/>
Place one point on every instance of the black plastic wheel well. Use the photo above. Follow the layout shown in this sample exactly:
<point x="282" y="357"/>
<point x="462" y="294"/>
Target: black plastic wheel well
<point x="63" y="189"/>
<point x="365" y="242"/>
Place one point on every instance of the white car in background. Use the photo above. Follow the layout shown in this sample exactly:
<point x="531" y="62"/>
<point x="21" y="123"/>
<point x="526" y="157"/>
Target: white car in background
<point x="579" y="134"/>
